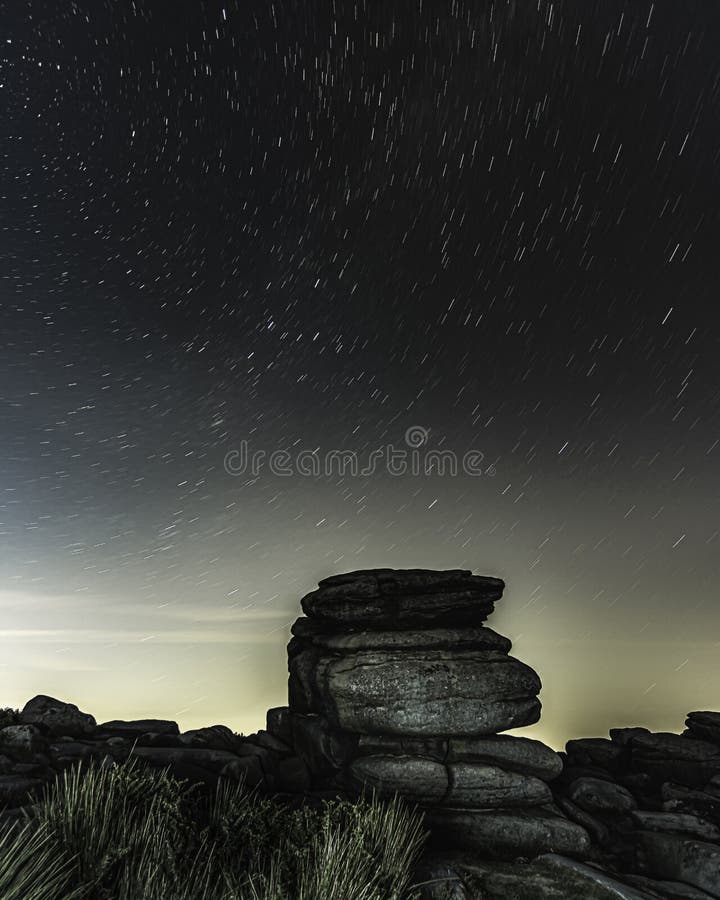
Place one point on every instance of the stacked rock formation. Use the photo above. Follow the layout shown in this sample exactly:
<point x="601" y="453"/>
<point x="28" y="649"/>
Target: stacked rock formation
<point x="396" y="685"/>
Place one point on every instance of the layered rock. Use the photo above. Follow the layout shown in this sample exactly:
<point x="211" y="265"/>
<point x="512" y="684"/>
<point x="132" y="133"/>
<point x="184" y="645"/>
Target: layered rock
<point x="652" y="803"/>
<point x="396" y="686"/>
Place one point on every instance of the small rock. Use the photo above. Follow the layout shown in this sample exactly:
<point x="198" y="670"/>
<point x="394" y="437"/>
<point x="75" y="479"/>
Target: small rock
<point x="598" y="752"/>
<point x="270" y="742"/>
<point x="596" y="796"/>
<point x="214" y="737"/>
<point x="279" y="724"/>
<point x="22" y="742"/>
<point x="623" y="736"/>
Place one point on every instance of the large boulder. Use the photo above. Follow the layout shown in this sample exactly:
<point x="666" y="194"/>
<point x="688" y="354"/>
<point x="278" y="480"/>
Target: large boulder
<point x="678" y="858"/>
<point x="436" y="693"/>
<point x="461" y="784"/>
<point x="704" y="725"/>
<point x="57" y="717"/>
<point x="508" y="834"/>
<point x="397" y="598"/>
<point x="671" y="757"/>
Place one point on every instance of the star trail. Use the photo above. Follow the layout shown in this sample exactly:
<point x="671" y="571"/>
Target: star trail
<point x="327" y="226"/>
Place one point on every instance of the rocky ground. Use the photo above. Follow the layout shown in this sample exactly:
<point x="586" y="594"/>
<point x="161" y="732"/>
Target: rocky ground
<point x="397" y="685"/>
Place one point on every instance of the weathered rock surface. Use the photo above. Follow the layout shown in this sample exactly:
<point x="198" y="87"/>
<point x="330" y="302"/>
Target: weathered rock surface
<point x="434" y="693"/>
<point x="473" y="638"/>
<point x="517" y="754"/>
<point x="594" y="795"/>
<point x="678" y="823"/>
<point x="507" y="834"/>
<point x="21" y="742"/>
<point x="455" y="784"/>
<point x="404" y="598"/>
<point x="678" y="858"/>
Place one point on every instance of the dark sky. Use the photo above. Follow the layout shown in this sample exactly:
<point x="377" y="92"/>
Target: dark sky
<point x="312" y="227"/>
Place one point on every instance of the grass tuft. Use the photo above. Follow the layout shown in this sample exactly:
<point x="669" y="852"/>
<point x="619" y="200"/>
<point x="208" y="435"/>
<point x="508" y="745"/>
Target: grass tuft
<point x="127" y="832"/>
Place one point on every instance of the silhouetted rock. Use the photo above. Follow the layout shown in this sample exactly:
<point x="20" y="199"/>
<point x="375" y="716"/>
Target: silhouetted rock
<point x="58" y="717"/>
<point x="704" y="725"/>
<point x="402" y="598"/>
<point x="135" y="727"/>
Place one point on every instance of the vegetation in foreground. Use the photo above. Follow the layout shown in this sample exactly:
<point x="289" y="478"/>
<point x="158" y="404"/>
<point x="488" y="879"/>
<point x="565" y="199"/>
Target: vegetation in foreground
<point x="125" y="832"/>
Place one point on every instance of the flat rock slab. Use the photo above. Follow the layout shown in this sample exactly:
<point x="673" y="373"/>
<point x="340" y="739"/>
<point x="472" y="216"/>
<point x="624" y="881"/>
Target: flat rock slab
<point x="470" y="638"/>
<point x="436" y="693"/>
<point x="541" y="879"/>
<point x="456" y="784"/>
<point x="678" y="823"/>
<point x="677" y="858"/>
<point x="401" y="598"/>
<point x="666" y="745"/>
<point x="135" y="727"/>
<point x="508" y="834"/>
<point x="514" y="754"/>
<point x="517" y="754"/>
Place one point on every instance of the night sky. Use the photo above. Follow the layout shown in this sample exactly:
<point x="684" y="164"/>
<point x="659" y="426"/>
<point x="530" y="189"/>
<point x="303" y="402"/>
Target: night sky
<point x="314" y="226"/>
